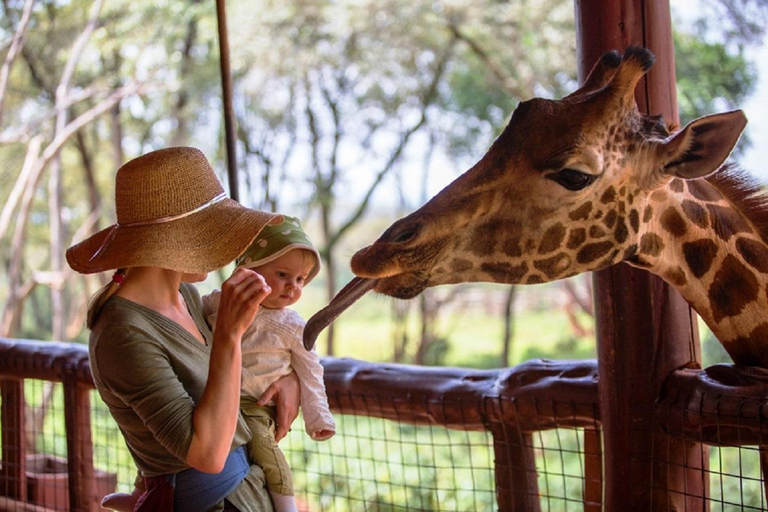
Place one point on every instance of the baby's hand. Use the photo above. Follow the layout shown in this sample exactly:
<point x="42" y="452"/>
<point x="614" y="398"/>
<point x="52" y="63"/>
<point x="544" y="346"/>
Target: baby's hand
<point x="323" y="434"/>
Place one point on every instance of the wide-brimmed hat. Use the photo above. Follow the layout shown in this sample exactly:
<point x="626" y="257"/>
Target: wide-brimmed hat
<point x="274" y="241"/>
<point x="172" y="212"/>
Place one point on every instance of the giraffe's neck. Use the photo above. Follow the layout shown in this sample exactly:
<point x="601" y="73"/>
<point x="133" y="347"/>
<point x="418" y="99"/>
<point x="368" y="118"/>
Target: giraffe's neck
<point x="706" y="246"/>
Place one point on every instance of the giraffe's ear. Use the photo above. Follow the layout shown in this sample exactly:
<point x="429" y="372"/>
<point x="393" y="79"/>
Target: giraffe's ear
<point x="702" y="146"/>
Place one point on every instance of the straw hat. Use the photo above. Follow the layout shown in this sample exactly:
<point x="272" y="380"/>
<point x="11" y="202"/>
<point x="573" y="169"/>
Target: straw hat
<point x="277" y="239"/>
<point x="172" y="212"/>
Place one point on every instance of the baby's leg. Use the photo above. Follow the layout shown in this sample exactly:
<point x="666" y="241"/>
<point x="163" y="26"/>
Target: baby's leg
<point x="264" y="451"/>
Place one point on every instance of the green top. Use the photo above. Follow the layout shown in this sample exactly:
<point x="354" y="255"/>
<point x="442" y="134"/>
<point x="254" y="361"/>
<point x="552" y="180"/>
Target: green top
<point x="150" y="372"/>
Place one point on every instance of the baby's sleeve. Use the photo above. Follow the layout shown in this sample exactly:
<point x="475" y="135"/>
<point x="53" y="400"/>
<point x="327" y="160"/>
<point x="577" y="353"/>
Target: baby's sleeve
<point x="314" y="401"/>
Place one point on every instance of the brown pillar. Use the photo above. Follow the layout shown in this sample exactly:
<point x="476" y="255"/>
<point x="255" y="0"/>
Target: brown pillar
<point x="77" y="419"/>
<point x="644" y="328"/>
<point x="13" y="480"/>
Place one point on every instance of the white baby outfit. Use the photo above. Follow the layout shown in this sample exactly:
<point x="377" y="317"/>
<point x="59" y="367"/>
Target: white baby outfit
<point x="272" y="346"/>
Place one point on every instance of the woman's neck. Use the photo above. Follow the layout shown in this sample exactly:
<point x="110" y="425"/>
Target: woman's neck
<point x="153" y="287"/>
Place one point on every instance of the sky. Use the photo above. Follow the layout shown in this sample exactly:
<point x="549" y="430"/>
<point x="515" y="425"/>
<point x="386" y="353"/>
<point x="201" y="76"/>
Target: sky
<point x="756" y="108"/>
<point x="755" y="159"/>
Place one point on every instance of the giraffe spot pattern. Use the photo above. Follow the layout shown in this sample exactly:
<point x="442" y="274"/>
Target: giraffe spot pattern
<point x="608" y="196"/>
<point x="676" y="185"/>
<point x="651" y="244"/>
<point x="754" y="253"/>
<point x="677" y="277"/>
<point x="634" y="220"/>
<point x="610" y="219"/>
<point x="621" y="233"/>
<point x="608" y="261"/>
<point x="461" y="265"/>
<point x="512" y="248"/>
<point x="553" y="239"/>
<point x="534" y="279"/>
<point x="743" y="350"/>
<point x="483" y="239"/>
<point x="673" y="222"/>
<point x="647" y="214"/>
<point x="554" y="266"/>
<point x="596" y="232"/>
<point x="699" y="256"/>
<point x="630" y="252"/>
<point x="727" y="222"/>
<point x="504" y="272"/>
<point x="695" y="213"/>
<point x="703" y="191"/>
<point x="734" y="287"/>
<point x="582" y="212"/>
<point x="576" y="237"/>
<point x="591" y="252"/>
<point x="659" y="196"/>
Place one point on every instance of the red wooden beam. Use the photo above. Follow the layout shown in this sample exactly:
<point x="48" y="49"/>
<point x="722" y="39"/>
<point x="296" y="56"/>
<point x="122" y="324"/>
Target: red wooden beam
<point x="644" y="327"/>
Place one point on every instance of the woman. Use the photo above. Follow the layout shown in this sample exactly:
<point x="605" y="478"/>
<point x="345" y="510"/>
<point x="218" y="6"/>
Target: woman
<point x="171" y="383"/>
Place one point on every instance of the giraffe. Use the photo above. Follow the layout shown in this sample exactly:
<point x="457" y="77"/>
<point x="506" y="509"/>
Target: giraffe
<point x="585" y="182"/>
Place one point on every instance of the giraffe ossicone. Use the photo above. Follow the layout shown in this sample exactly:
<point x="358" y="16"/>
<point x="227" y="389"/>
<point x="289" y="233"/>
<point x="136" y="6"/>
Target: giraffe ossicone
<point x="582" y="183"/>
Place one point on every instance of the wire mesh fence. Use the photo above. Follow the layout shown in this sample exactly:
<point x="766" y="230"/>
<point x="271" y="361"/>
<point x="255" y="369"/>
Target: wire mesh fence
<point x="527" y="438"/>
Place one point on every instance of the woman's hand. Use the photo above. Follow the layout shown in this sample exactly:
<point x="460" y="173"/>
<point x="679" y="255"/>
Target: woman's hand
<point x="241" y="296"/>
<point x="286" y="393"/>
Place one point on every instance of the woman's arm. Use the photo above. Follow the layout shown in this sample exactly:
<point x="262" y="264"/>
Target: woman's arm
<point x="215" y="416"/>
<point x="287" y="395"/>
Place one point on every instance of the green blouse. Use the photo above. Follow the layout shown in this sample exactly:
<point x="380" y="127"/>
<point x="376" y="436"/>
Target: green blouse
<point x="151" y="372"/>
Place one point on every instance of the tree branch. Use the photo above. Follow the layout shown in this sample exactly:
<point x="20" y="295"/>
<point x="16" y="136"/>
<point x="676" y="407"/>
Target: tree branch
<point x="17" y="44"/>
<point x="427" y="100"/>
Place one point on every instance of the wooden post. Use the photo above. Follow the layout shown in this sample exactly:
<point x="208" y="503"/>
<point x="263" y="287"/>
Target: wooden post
<point x="77" y="419"/>
<point x="593" y="470"/>
<point x="645" y="329"/>
<point x="517" y="488"/>
<point x="13" y="480"/>
<point x="226" y="99"/>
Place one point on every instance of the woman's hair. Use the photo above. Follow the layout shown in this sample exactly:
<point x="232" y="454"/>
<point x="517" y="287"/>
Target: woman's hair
<point x="102" y="296"/>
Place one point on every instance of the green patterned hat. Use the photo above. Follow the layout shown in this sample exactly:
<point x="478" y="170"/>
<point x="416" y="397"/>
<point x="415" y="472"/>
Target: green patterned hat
<point x="275" y="240"/>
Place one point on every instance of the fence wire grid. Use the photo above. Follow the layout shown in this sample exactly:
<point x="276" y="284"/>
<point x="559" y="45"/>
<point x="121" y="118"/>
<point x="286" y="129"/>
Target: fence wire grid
<point x="425" y="453"/>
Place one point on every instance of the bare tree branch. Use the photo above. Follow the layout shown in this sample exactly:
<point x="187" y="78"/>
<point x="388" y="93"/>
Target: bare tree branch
<point x="427" y="100"/>
<point x="16" y="44"/>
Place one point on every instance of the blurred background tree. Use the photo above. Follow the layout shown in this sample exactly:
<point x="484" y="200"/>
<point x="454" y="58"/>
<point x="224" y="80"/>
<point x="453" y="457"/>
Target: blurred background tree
<point x="349" y="114"/>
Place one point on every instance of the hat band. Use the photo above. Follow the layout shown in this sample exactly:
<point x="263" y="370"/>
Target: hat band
<point x="160" y="220"/>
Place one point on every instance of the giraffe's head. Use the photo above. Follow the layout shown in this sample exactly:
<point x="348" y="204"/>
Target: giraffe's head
<point x="563" y="190"/>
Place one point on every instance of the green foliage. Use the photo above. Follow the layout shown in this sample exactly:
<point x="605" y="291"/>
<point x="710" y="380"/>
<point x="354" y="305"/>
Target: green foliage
<point x="709" y="77"/>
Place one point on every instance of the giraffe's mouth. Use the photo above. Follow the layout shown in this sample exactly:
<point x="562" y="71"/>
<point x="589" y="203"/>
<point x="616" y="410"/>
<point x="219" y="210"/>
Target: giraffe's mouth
<point x="347" y="296"/>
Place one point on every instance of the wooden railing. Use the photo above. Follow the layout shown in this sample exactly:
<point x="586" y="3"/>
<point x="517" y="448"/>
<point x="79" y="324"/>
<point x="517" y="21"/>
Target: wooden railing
<point x="720" y="406"/>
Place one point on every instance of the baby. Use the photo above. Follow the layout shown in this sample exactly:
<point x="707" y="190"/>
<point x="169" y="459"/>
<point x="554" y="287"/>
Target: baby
<point x="272" y="347"/>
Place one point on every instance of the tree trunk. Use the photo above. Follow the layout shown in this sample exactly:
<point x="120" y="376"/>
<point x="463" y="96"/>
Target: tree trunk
<point x="181" y="134"/>
<point x="509" y="320"/>
<point x="400" y="313"/>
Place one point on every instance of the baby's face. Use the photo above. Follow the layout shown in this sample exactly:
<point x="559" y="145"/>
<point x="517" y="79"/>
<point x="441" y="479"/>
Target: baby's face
<point x="286" y="276"/>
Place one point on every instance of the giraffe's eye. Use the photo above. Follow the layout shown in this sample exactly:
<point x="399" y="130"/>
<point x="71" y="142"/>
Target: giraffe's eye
<point x="572" y="179"/>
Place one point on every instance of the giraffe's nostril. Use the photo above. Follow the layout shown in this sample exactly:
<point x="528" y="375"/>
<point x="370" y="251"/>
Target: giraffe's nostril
<point x="404" y="233"/>
<point x="404" y="236"/>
